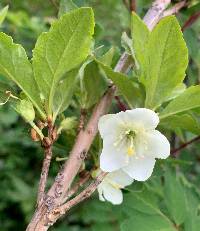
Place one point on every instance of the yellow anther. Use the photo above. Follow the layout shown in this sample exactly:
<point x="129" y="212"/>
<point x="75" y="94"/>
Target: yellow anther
<point x="130" y="151"/>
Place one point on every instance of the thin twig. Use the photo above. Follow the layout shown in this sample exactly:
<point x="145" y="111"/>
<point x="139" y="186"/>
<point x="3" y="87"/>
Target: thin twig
<point x="192" y="19"/>
<point x="176" y="150"/>
<point x="44" y="175"/>
<point x="86" y="193"/>
<point x="82" y="119"/>
<point x="120" y="104"/>
<point x="132" y="5"/>
<point x="47" y="143"/>
<point x="83" y="179"/>
<point x="174" y="9"/>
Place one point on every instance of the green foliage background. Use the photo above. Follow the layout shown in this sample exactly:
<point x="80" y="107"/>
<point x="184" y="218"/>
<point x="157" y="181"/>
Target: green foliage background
<point x="169" y="201"/>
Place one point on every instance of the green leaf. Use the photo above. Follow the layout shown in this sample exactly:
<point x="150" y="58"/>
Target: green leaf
<point x="3" y="14"/>
<point x="166" y="59"/>
<point x="127" y="87"/>
<point x="64" y="92"/>
<point x="26" y="110"/>
<point x="186" y="122"/>
<point x="62" y="49"/>
<point x="66" y="6"/>
<point x="107" y="58"/>
<point x="140" y="36"/>
<point x="175" y="198"/>
<point x="144" y="222"/>
<point x="192" y="222"/>
<point x="15" y="65"/>
<point x="189" y="99"/>
<point x="92" y="84"/>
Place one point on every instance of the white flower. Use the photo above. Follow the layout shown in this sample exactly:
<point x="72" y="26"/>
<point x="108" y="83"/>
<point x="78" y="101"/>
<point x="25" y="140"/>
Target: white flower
<point x="110" y="187"/>
<point x="131" y="143"/>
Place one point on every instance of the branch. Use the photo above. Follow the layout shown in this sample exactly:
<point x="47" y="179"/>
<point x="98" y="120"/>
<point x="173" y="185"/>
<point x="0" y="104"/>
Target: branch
<point x="176" y="150"/>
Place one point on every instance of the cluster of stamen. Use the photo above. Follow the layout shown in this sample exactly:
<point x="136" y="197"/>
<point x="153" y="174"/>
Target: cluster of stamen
<point x="128" y="137"/>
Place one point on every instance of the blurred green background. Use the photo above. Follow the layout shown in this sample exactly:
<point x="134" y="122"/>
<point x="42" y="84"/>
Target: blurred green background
<point x="20" y="158"/>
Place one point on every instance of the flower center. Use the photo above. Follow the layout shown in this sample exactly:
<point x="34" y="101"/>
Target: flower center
<point x="127" y="139"/>
<point x="130" y="136"/>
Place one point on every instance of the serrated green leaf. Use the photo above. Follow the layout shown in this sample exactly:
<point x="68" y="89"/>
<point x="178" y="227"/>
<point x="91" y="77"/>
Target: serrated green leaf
<point x="3" y="14"/>
<point x="166" y="59"/>
<point x="129" y="89"/>
<point x="62" y="49"/>
<point x="140" y="36"/>
<point x="15" y="65"/>
<point x="175" y="198"/>
<point x="189" y="99"/>
<point x="186" y="122"/>
<point x="66" y="6"/>
<point x="92" y="84"/>
<point x="64" y="92"/>
<point x="144" y="222"/>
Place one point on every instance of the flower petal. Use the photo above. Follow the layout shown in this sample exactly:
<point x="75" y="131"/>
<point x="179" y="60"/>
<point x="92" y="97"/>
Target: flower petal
<point x="143" y="116"/>
<point x="140" y="169"/>
<point x="157" y="145"/>
<point x="112" y="194"/>
<point x="100" y="191"/>
<point x="120" y="178"/>
<point x="107" y="124"/>
<point x="112" y="158"/>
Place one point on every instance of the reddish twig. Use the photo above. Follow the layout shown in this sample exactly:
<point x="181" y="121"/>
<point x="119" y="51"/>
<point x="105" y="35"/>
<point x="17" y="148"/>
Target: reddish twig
<point x="132" y="5"/>
<point x="176" y="150"/>
<point x="120" y="104"/>
<point x="192" y="19"/>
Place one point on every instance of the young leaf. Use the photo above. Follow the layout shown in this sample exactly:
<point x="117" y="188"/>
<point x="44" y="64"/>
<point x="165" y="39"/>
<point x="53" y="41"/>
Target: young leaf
<point x="3" y="14"/>
<point x="15" y="65"/>
<point x="166" y="59"/>
<point x="140" y="36"/>
<point x="107" y="58"/>
<point x="64" y="92"/>
<point x="92" y="83"/>
<point x="189" y="99"/>
<point x="127" y="87"/>
<point x="62" y="49"/>
<point x="26" y="110"/>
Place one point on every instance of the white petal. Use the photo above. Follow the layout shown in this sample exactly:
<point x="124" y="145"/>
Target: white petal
<point x="140" y="169"/>
<point x="143" y="116"/>
<point x="107" y="124"/>
<point x="112" y="194"/>
<point x="100" y="191"/>
<point x="157" y="145"/>
<point x="112" y="158"/>
<point x="120" y="178"/>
